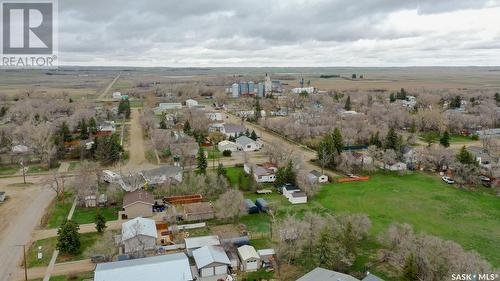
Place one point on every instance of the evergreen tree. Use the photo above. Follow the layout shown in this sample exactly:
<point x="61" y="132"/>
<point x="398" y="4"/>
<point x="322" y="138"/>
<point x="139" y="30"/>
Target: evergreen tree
<point x="253" y="135"/>
<point x="337" y="141"/>
<point x="247" y="133"/>
<point x="349" y="239"/>
<point x="497" y="98"/>
<point x="392" y="139"/>
<point x="445" y="139"/>
<point x="257" y="109"/>
<point x="107" y="149"/>
<point x="92" y="125"/>
<point x="163" y="122"/>
<point x="465" y="157"/>
<point x="64" y="132"/>
<point x="202" y="161"/>
<point x="347" y="105"/>
<point x="187" y="128"/>
<point x="68" y="238"/>
<point x="392" y="98"/>
<point x="221" y="171"/>
<point x="84" y="130"/>
<point x="456" y="102"/>
<point x="124" y="108"/>
<point x="410" y="268"/>
<point x="100" y="222"/>
<point x="325" y="249"/>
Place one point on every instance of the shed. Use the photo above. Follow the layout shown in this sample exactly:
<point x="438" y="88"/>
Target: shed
<point x="249" y="258"/>
<point x="211" y="261"/>
<point x="317" y="177"/>
<point x="198" y="211"/>
<point x="251" y="207"/>
<point x="193" y="243"/>
<point x="298" y="198"/>
<point x="262" y="204"/>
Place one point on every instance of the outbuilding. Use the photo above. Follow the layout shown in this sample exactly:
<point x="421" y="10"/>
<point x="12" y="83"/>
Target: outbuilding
<point x="250" y="259"/>
<point x="316" y="177"/>
<point x="227" y="145"/>
<point x="251" y="207"/>
<point x="193" y="243"/>
<point x="298" y="198"/>
<point x="262" y="204"/>
<point x="211" y="261"/>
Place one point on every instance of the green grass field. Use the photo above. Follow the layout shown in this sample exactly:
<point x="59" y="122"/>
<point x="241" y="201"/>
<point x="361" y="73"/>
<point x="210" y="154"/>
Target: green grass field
<point x="59" y="212"/>
<point x="8" y="170"/>
<point x="233" y="175"/>
<point x="87" y="215"/>
<point x="470" y="218"/>
<point x="453" y="138"/>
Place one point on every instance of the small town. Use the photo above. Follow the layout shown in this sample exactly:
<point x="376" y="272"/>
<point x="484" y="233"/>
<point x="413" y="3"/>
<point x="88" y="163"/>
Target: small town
<point x="221" y="163"/>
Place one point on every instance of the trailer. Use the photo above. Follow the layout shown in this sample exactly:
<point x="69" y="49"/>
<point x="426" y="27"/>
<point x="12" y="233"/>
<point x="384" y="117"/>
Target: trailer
<point x="262" y="205"/>
<point x="251" y="208"/>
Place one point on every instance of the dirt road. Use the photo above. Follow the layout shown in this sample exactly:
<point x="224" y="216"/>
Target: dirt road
<point x="20" y="214"/>
<point x="137" y="157"/>
<point x="59" y="269"/>
<point x="106" y="91"/>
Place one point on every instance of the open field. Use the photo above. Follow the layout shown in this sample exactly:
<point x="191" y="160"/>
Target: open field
<point x="59" y="212"/>
<point x="471" y="219"/>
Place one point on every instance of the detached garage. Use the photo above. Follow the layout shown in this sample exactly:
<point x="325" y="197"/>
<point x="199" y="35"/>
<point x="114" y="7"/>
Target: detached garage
<point x="249" y="258"/>
<point x="211" y="261"/>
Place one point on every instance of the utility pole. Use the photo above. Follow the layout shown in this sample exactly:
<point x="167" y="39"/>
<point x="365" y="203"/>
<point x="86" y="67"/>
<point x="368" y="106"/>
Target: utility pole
<point x="24" y="172"/>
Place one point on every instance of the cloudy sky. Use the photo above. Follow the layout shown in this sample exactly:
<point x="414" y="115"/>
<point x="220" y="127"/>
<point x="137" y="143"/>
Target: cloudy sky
<point x="279" y="32"/>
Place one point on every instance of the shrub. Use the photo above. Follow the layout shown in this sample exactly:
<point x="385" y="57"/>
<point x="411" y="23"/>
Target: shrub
<point x="227" y="153"/>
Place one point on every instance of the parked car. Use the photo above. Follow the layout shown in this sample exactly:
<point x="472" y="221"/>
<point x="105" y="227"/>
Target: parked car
<point x="448" y="180"/>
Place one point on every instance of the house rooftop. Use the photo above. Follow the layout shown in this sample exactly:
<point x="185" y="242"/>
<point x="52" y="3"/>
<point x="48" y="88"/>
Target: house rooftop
<point x="200" y="241"/>
<point x="315" y="173"/>
<point x="299" y="194"/>
<point x="210" y="254"/>
<point x="167" y="170"/>
<point x="174" y="267"/>
<point x="138" y="226"/>
<point x="326" y="275"/>
<point x="244" y="140"/>
<point x="234" y="128"/>
<point x="138" y="196"/>
<point x="248" y="252"/>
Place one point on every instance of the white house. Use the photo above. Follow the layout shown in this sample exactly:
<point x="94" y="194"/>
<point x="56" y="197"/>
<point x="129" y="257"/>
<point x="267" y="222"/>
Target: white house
<point x="139" y="234"/>
<point x="193" y="243"/>
<point x="309" y="90"/>
<point x="117" y="95"/>
<point x="173" y="267"/>
<point x="230" y="130"/>
<point x="298" y="198"/>
<point x="260" y="173"/>
<point x="227" y="145"/>
<point x="316" y="177"/>
<point x="211" y="261"/>
<point x="215" y="116"/>
<point x="250" y="259"/>
<point x="247" y="144"/>
<point x="191" y="103"/>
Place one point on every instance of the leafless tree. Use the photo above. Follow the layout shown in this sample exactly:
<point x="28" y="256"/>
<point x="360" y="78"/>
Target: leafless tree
<point x="230" y="205"/>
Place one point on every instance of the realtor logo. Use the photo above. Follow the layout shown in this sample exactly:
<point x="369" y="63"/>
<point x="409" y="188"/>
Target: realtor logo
<point x="28" y="34"/>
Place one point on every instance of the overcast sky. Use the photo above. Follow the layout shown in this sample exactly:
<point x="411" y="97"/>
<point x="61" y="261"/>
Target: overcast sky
<point x="180" y="33"/>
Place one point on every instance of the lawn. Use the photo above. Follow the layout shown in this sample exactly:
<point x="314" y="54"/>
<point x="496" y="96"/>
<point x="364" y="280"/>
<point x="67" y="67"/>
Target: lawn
<point x="234" y="174"/>
<point x="257" y="275"/>
<point x="73" y="166"/>
<point x="453" y="138"/>
<point x="41" y="168"/>
<point x="8" y="170"/>
<point x="59" y="212"/>
<point x="87" y="215"/>
<point x="48" y="246"/>
<point x="470" y="218"/>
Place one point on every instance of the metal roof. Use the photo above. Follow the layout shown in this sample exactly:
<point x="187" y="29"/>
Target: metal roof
<point x="371" y="277"/>
<point x="207" y="255"/>
<point x="326" y="275"/>
<point x="200" y="241"/>
<point x="138" y="226"/>
<point x="247" y="252"/>
<point x="244" y="140"/>
<point x="266" y="252"/>
<point x="172" y="267"/>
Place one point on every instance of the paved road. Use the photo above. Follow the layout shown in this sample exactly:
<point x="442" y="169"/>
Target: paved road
<point x="19" y="219"/>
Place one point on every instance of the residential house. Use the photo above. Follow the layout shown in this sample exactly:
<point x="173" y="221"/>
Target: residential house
<point x="107" y="126"/>
<point x="316" y="177"/>
<point x="139" y="235"/>
<point x="326" y="275"/>
<point x="247" y="144"/>
<point x="191" y="103"/>
<point x="260" y="173"/>
<point x="249" y="258"/>
<point x="215" y="116"/>
<point x="199" y="211"/>
<point x="488" y="133"/>
<point x="211" y="261"/>
<point x="138" y="203"/>
<point x="173" y="267"/>
<point x="162" y="175"/>
<point x="481" y="155"/>
<point x="227" y="145"/>
<point x="230" y="130"/>
<point x="193" y="243"/>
